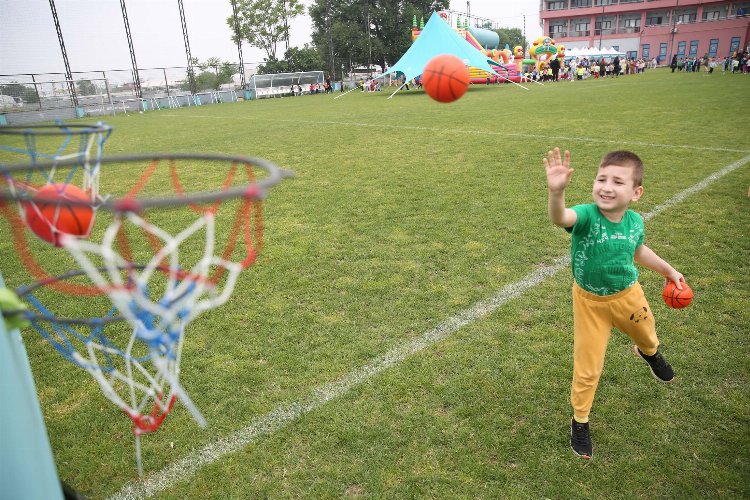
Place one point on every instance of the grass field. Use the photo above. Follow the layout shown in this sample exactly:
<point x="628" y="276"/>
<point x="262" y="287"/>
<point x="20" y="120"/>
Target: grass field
<point x="407" y="330"/>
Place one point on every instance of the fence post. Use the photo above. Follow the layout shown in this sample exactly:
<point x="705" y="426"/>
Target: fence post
<point x="166" y="82"/>
<point x="109" y="94"/>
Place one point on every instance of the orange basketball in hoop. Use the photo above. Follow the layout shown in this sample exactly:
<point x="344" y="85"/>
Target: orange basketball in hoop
<point x="49" y="220"/>
<point x="445" y="78"/>
<point x="676" y="298"/>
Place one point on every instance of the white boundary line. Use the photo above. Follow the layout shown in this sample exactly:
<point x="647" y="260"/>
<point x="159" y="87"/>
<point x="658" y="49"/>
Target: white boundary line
<point x="284" y="415"/>
<point x="550" y="138"/>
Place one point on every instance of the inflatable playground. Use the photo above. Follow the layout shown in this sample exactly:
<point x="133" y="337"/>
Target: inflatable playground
<point x="508" y="64"/>
<point x="477" y="48"/>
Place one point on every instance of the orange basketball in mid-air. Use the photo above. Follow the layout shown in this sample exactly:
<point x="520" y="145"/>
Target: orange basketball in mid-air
<point x="445" y="78"/>
<point x="676" y="298"/>
<point x="49" y="220"/>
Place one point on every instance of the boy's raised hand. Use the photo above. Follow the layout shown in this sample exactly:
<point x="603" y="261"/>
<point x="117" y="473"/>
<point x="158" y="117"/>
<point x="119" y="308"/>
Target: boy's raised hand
<point x="558" y="170"/>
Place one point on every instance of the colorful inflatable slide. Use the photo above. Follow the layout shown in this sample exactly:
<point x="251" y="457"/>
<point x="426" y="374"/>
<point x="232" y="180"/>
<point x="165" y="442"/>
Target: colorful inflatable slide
<point x="486" y="42"/>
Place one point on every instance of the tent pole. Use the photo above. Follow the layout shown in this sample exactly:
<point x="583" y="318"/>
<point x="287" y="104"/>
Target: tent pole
<point x="402" y="86"/>
<point x="511" y="81"/>
<point x="532" y="81"/>
<point x="342" y="95"/>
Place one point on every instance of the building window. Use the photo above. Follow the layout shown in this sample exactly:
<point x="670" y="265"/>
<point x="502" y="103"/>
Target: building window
<point x="603" y="27"/>
<point x="654" y="21"/>
<point x="601" y="3"/>
<point x="713" y="47"/>
<point x="632" y="23"/>
<point x="580" y="4"/>
<point x="645" y="50"/>
<point x="558" y="30"/>
<point x="582" y="26"/>
<point x="711" y="15"/>
<point x="735" y="45"/>
<point x="686" y="18"/>
<point x="681" y="49"/>
<point x="632" y="54"/>
<point x="556" y="5"/>
<point x="662" y="52"/>
<point x="693" y="48"/>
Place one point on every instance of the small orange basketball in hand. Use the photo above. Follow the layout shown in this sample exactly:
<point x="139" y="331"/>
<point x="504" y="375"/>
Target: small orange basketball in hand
<point x="445" y="78"/>
<point x="49" y="220"/>
<point x="676" y="298"/>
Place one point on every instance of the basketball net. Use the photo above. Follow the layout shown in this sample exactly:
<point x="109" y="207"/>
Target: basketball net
<point x="86" y="155"/>
<point x="138" y="367"/>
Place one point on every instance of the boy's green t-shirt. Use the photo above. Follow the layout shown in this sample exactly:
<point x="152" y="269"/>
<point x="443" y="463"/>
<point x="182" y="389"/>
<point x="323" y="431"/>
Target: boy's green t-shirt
<point x="602" y="251"/>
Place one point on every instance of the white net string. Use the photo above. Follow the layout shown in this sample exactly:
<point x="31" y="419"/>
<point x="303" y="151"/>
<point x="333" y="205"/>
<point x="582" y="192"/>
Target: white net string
<point x="157" y="314"/>
<point x="86" y="159"/>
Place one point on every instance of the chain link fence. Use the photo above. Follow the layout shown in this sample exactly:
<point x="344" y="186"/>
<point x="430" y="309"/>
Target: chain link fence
<point x="39" y="97"/>
<point x="30" y="98"/>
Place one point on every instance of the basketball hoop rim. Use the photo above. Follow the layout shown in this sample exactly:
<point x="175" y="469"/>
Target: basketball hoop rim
<point x="65" y="129"/>
<point x="255" y="190"/>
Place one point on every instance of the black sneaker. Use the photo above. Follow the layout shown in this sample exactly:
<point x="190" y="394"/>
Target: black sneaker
<point x="660" y="369"/>
<point x="580" y="440"/>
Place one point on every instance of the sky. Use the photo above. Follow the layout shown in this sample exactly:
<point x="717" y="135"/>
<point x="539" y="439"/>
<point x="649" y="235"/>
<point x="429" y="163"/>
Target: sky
<point x="95" y="40"/>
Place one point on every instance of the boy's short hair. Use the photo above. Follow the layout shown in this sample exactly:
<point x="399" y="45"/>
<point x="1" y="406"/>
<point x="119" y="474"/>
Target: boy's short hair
<point x="625" y="159"/>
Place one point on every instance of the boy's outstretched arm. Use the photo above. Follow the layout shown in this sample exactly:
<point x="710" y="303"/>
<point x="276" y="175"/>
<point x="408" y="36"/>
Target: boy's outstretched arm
<point x="558" y="177"/>
<point x="647" y="257"/>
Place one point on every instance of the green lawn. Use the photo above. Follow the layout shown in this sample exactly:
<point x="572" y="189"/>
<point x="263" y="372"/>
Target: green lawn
<point x="405" y="213"/>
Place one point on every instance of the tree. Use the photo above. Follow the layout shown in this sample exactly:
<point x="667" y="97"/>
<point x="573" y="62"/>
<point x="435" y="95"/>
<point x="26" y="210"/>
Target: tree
<point x="296" y="59"/>
<point x="362" y="32"/>
<point x="85" y="87"/>
<point x="214" y="73"/>
<point x="512" y="37"/>
<point x="264" y="23"/>
<point x="28" y="94"/>
<point x="305" y="59"/>
<point x="272" y="66"/>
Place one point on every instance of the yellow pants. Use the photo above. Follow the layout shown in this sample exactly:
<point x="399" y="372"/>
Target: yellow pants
<point x="594" y="316"/>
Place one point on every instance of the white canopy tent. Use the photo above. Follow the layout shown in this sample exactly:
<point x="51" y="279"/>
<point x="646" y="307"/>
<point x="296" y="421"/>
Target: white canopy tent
<point x="589" y="52"/>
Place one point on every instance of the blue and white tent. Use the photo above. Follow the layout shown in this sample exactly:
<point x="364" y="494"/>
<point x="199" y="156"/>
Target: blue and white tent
<point x="438" y="38"/>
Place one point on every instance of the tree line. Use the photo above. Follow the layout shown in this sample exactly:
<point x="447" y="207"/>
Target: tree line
<point x="346" y="33"/>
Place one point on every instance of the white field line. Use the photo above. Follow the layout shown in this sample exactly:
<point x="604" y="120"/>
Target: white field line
<point x="480" y="132"/>
<point x="284" y="415"/>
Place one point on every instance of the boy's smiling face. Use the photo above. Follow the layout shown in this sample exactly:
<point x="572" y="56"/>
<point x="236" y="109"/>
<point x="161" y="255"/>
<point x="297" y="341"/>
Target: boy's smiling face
<point x="614" y="190"/>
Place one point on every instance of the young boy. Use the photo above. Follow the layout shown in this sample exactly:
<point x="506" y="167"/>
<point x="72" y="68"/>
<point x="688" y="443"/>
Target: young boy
<point x="607" y="241"/>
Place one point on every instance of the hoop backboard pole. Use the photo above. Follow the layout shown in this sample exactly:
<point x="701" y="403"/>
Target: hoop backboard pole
<point x="27" y="467"/>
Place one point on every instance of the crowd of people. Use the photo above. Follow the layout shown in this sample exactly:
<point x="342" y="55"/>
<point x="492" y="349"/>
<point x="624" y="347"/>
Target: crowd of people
<point x="369" y="85"/>
<point x="314" y="88"/>
<point x="736" y="63"/>
<point x="572" y="69"/>
<point x="582" y="68"/>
